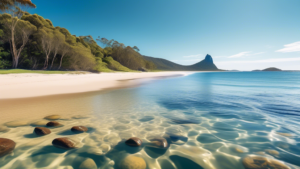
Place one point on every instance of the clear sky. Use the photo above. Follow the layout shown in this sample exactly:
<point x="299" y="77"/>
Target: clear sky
<point x="239" y="34"/>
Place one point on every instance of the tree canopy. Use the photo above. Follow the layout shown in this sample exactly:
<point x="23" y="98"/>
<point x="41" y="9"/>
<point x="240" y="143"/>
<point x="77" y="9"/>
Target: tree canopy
<point x="50" y="47"/>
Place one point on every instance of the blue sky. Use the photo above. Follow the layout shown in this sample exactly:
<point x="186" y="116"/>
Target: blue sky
<point x="239" y="34"/>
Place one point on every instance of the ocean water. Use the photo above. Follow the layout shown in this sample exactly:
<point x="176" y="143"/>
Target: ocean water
<point x="211" y="120"/>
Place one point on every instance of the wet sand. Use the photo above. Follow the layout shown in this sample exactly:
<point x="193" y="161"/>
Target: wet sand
<point x="33" y="85"/>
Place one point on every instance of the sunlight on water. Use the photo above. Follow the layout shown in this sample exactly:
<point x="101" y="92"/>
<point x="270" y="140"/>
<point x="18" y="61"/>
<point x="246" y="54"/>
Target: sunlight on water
<point x="209" y="120"/>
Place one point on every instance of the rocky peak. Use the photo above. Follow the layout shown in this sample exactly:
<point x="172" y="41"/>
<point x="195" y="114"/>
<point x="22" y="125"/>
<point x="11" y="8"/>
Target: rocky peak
<point x="208" y="58"/>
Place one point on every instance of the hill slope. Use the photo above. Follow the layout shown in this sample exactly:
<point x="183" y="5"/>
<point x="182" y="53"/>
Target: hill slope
<point x="163" y="64"/>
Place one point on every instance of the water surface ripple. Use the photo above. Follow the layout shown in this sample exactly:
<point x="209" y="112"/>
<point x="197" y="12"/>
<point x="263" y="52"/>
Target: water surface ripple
<point x="213" y="120"/>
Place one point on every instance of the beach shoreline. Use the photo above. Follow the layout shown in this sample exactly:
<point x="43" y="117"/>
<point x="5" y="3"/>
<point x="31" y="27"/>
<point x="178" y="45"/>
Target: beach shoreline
<point x="16" y="86"/>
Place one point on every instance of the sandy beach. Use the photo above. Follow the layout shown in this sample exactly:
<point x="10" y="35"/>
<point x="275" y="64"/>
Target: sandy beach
<point x="33" y="96"/>
<point x="32" y="85"/>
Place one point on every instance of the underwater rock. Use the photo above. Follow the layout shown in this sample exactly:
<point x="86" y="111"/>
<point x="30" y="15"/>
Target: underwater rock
<point x="239" y="150"/>
<point x="260" y="153"/>
<point x="158" y="143"/>
<point x="6" y="146"/>
<point x="53" y="124"/>
<point x="272" y="152"/>
<point x="133" y="162"/>
<point x="79" y="129"/>
<point x="80" y="117"/>
<point x="64" y="143"/>
<point x="16" y="123"/>
<point x="134" y="142"/>
<point x="4" y="129"/>
<point x="176" y="138"/>
<point x="285" y="134"/>
<point x="52" y="117"/>
<point x="41" y="131"/>
<point x="40" y="123"/>
<point x="88" y="164"/>
<point x="257" y="162"/>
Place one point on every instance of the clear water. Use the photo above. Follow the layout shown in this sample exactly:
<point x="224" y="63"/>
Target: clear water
<point x="222" y="118"/>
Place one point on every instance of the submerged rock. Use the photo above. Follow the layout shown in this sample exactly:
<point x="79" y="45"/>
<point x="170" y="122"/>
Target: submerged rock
<point x="133" y="162"/>
<point x="257" y="162"/>
<point x="158" y="143"/>
<point x="79" y="129"/>
<point x="176" y="138"/>
<point x="41" y="131"/>
<point x="17" y="123"/>
<point x="4" y="129"/>
<point x="272" y="152"/>
<point x="6" y="146"/>
<point x="80" y="117"/>
<point x="40" y="123"/>
<point x="52" y="117"/>
<point x="88" y="164"/>
<point x="53" y="124"/>
<point x="134" y="142"/>
<point x="285" y="134"/>
<point x="64" y="143"/>
<point x="239" y="150"/>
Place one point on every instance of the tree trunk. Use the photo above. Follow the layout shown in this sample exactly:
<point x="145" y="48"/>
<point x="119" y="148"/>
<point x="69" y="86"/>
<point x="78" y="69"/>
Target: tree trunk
<point x="53" y="61"/>
<point x="46" y="63"/>
<point x="62" y="56"/>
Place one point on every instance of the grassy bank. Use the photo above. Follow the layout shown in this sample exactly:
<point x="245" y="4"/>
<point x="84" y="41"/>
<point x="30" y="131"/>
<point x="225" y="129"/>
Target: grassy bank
<point x="11" y="71"/>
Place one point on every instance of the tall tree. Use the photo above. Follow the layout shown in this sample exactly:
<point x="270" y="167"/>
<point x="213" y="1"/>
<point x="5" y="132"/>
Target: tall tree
<point x="57" y="41"/>
<point x="64" y="49"/>
<point x="47" y="45"/>
<point x="10" y="4"/>
<point x="17" y="33"/>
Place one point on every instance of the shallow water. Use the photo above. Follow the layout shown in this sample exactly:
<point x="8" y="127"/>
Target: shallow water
<point x="221" y="118"/>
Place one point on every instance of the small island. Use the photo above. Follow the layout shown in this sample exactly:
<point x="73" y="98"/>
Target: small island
<point x="272" y="69"/>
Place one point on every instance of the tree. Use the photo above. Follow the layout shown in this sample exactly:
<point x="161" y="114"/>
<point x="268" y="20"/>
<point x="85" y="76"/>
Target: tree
<point x="57" y="41"/>
<point x="136" y="48"/>
<point x="47" y="45"/>
<point x="64" y="49"/>
<point x="10" y="4"/>
<point x="17" y="33"/>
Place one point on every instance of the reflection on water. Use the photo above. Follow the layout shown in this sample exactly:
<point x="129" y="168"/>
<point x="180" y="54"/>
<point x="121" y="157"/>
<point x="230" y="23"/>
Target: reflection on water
<point x="205" y="120"/>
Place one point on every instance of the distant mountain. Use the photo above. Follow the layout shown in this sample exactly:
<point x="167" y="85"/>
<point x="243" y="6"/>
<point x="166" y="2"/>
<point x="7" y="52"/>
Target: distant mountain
<point x="206" y="64"/>
<point x="272" y="69"/>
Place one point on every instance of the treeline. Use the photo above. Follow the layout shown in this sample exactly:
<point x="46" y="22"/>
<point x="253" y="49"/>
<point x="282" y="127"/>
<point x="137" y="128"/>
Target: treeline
<point x="32" y="42"/>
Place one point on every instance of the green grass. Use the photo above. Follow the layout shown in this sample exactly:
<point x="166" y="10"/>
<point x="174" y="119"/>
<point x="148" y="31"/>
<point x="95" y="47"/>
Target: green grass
<point x="114" y="65"/>
<point x="10" y="71"/>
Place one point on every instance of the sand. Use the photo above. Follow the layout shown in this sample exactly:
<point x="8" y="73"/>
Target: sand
<point x="34" y="96"/>
<point x="32" y="85"/>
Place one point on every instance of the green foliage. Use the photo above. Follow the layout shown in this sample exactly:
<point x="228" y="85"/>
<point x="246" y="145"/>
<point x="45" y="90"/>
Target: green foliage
<point x="127" y="56"/>
<point x="101" y="66"/>
<point x="11" y="71"/>
<point x="34" y="20"/>
<point x="4" y="63"/>
<point x="72" y="53"/>
<point x="1" y="32"/>
<point x="114" y="65"/>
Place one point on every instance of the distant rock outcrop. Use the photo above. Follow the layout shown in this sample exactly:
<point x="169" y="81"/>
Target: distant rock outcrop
<point x="206" y="64"/>
<point x="272" y="69"/>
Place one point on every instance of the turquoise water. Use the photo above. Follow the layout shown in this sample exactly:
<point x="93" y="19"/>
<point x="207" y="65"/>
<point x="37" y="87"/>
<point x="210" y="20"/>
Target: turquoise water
<point x="218" y="119"/>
